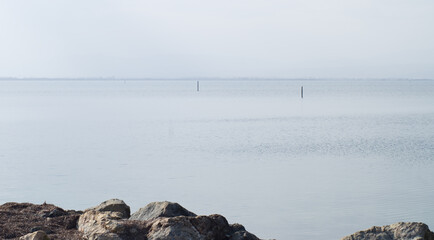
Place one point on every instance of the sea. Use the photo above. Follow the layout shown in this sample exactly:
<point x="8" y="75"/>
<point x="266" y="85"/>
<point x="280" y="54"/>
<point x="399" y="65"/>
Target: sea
<point x="350" y="154"/>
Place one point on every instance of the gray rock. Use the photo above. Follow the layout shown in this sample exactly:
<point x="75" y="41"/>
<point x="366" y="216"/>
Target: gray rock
<point x="177" y="228"/>
<point x="213" y="227"/>
<point x="160" y="209"/>
<point x="397" y="231"/>
<point x="113" y="205"/>
<point x="39" y="235"/>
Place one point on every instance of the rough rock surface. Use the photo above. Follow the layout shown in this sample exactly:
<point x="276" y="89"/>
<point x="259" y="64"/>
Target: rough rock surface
<point x="175" y="228"/>
<point x="19" y="219"/>
<point x="213" y="227"/>
<point x="397" y="231"/>
<point x="160" y="209"/>
<point x="95" y="223"/>
<point x="113" y="205"/>
<point x="38" y="235"/>
<point x="109" y="226"/>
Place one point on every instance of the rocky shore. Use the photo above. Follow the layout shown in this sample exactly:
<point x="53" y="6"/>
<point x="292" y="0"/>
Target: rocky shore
<point x="112" y="220"/>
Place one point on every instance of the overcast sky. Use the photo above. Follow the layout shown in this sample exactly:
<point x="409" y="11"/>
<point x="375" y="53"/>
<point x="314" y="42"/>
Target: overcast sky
<point x="221" y="38"/>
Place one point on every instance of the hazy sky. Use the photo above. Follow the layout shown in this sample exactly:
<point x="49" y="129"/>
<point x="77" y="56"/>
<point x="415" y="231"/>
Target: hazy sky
<point x="224" y="38"/>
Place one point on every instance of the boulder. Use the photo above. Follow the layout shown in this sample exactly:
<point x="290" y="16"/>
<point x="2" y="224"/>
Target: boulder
<point x="100" y="225"/>
<point x="113" y="205"/>
<point x="397" y="231"/>
<point x="160" y="209"/>
<point x="176" y="228"/>
<point x="39" y="235"/>
<point x="96" y="225"/>
<point x="213" y="227"/>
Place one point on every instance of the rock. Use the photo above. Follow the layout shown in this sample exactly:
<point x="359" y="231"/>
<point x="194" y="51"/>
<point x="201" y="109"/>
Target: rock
<point x="39" y="235"/>
<point x="160" y="209"/>
<point x="96" y="225"/>
<point x="100" y="225"/>
<point x="243" y="235"/>
<point x="176" y="228"/>
<point x="240" y="233"/>
<point x="104" y="221"/>
<point x="397" y="231"/>
<point x="213" y="227"/>
<point x="56" y="212"/>
<point x="113" y="205"/>
<point x="237" y="227"/>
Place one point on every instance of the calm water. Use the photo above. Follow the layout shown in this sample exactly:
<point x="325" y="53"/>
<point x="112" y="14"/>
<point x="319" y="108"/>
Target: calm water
<point x="350" y="155"/>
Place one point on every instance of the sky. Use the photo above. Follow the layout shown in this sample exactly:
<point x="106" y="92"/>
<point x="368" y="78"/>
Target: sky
<point x="225" y="38"/>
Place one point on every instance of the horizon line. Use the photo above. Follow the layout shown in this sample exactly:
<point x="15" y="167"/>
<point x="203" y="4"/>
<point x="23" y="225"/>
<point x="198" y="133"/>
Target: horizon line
<point x="211" y="78"/>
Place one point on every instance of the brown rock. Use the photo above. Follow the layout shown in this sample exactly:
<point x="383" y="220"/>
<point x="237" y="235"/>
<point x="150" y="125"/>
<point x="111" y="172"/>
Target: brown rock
<point x="212" y="227"/>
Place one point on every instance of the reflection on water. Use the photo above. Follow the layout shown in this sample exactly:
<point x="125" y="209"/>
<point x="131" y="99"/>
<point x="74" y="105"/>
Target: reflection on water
<point x="351" y="154"/>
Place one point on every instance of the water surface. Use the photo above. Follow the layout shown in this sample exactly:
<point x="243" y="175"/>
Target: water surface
<point x="349" y="155"/>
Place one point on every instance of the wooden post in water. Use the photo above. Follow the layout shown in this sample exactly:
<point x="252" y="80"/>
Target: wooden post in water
<point x="301" y="91"/>
<point x="197" y="86"/>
